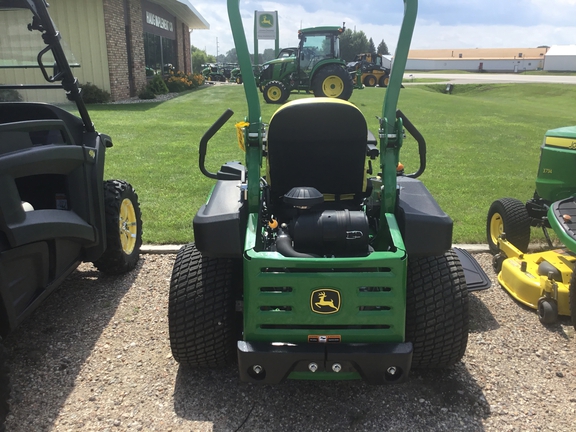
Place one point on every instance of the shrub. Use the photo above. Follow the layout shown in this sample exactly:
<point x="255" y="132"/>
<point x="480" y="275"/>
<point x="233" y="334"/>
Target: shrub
<point x="146" y="93"/>
<point x="10" y="95"/>
<point x="177" y="84"/>
<point x="91" y="93"/>
<point x="157" y="85"/>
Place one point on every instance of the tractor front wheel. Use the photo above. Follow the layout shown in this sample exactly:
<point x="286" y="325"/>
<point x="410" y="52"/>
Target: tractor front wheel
<point x="275" y="92"/>
<point x="123" y="228"/>
<point x="572" y="295"/>
<point x="202" y="319"/>
<point x="508" y="216"/>
<point x="4" y="386"/>
<point x="370" y="81"/>
<point x="333" y="81"/>
<point x="437" y="313"/>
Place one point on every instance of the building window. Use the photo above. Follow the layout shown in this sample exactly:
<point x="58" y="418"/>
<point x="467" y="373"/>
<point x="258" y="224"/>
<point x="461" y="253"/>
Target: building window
<point x="159" y="54"/>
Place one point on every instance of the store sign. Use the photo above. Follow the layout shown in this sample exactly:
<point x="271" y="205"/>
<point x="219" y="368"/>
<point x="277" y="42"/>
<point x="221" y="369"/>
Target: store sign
<point x="266" y="25"/>
<point x="159" y="22"/>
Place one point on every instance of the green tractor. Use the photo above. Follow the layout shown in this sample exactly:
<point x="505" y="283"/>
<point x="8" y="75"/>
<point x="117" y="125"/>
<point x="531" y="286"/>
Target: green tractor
<point x="543" y="280"/>
<point x="317" y="270"/>
<point x="315" y="66"/>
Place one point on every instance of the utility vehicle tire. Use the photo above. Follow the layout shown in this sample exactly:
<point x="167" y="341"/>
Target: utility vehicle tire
<point x="547" y="311"/>
<point x="202" y="319"/>
<point x="123" y="228"/>
<point x="370" y="81"/>
<point x="572" y="295"/>
<point x="238" y="80"/>
<point x="509" y="216"/>
<point x="383" y="81"/>
<point x="437" y="313"/>
<point x="333" y="81"/>
<point x="275" y="92"/>
<point x="4" y="386"/>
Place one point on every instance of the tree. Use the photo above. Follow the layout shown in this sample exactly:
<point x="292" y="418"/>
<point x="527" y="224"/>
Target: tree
<point x="269" y="54"/>
<point x="352" y="43"/>
<point x="231" y="56"/>
<point x="372" y="48"/>
<point x="383" y="48"/>
<point x="199" y="57"/>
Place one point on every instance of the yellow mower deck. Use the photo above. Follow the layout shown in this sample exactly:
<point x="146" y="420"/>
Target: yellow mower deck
<point x="526" y="276"/>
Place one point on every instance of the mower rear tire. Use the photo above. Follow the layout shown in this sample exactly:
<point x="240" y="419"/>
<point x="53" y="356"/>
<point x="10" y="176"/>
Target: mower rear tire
<point x="202" y="319"/>
<point x="437" y="311"/>
<point x="275" y="92"/>
<point x="333" y="81"/>
<point x="572" y="296"/>
<point x="547" y="311"/>
<point x="4" y="386"/>
<point x="370" y="81"/>
<point x="123" y="228"/>
<point x="508" y="216"/>
<point x="383" y="81"/>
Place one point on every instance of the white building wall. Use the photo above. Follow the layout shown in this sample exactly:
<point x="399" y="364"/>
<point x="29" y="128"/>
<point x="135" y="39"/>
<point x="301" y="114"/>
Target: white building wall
<point x="560" y="63"/>
<point x="491" y="65"/>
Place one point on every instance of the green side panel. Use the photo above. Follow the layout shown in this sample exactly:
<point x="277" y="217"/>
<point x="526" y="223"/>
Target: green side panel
<point x="278" y="296"/>
<point x="563" y="132"/>
<point x="556" y="177"/>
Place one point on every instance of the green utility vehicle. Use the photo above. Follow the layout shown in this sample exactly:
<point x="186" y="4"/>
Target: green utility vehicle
<point x="315" y="66"/>
<point x="56" y="209"/>
<point x="318" y="270"/>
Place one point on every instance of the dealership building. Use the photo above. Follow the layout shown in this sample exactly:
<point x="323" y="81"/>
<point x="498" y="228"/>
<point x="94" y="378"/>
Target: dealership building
<point x="119" y="44"/>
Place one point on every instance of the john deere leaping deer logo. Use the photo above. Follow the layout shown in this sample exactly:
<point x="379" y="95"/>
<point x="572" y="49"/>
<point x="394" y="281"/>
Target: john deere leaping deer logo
<point x="325" y="301"/>
<point x="266" y="20"/>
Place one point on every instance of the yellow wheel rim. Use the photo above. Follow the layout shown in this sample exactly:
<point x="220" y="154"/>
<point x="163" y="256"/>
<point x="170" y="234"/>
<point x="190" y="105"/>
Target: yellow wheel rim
<point x="128" y="226"/>
<point x="496" y="227"/>
<point x="372" y="81"/>
<point x="274" y="93"/>
<point x="333" y="86"/>
<point x="386" y="81"/>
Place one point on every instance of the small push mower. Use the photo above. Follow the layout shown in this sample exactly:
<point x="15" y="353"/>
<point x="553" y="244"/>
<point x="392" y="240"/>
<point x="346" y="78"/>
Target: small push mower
<point x="540" y="280"/>
<point x="319" y="269"/>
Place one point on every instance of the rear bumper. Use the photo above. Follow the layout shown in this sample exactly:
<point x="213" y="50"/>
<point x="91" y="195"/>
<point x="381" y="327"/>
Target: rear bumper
<point x="375" y="363"/>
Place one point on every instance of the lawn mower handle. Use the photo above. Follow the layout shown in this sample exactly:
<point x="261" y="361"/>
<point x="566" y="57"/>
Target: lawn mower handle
<point x="419" y="139"/>
<point x="207" y="137"/>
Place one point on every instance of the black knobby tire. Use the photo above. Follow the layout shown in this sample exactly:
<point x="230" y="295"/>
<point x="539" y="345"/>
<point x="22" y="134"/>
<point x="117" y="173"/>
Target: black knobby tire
<point x="333" y="81"/>
<point x="4" y="386"/>
<point x="275" y="92"/>
<point x="509" y="216"/>
<point x="572" y="296"/>
<point x="383" y="81"/>
<point x="123" y="228"/>
<point x="370" y="81"/>
<point x="202" y="319"/>
<point x="437" y="313"/>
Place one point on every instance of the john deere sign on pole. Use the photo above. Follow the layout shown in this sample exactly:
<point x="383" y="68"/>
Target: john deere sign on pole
<point x="265" y="28"/>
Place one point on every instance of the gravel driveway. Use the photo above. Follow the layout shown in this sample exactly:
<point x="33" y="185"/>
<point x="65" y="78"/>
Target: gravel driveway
<point x="96" y="356"/>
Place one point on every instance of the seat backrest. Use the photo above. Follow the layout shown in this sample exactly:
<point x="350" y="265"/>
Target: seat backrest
<point x="320" y="143"/>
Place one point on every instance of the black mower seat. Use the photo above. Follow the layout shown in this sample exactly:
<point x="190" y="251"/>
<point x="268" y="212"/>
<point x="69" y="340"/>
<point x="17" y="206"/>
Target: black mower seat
<point x="319" y="143"/>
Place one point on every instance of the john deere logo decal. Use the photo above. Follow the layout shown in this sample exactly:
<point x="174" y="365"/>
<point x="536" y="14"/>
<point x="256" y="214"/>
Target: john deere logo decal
<point x="266" y="20"/>
<point x="325" y="301"/>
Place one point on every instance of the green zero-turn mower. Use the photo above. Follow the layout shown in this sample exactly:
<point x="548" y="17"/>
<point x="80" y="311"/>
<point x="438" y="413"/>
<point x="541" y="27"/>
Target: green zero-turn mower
<point x="315" y="271"/>
<point x="541" y="280"/>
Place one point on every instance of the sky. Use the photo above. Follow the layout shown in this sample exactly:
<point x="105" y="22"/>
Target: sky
<point x="440" y="23"/>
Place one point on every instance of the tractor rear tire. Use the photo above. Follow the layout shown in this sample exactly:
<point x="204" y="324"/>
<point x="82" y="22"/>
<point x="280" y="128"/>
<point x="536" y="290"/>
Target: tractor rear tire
<point x="123" y="228"/>
<point x="370" y="81"/>
<point x="333" y="81"/>
<point x="383" y="81"/>
<point x="202" y="319"/>
<point x="275" y="92"/>
<point x="437" y="311"/>
<point x="4" y="386"/>
<point x="508" y="216"/>
<point x="572" y="295"/>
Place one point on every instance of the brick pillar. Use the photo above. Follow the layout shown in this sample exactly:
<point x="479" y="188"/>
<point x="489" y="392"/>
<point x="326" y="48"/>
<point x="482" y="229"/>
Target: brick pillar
<point x="183" y="47"/>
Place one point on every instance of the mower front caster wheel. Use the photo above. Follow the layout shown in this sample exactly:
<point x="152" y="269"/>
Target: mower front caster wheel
<point x="547" y="310"/>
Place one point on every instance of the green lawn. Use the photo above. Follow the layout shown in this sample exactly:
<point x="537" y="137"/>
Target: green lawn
<point x="483" y="144"/>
